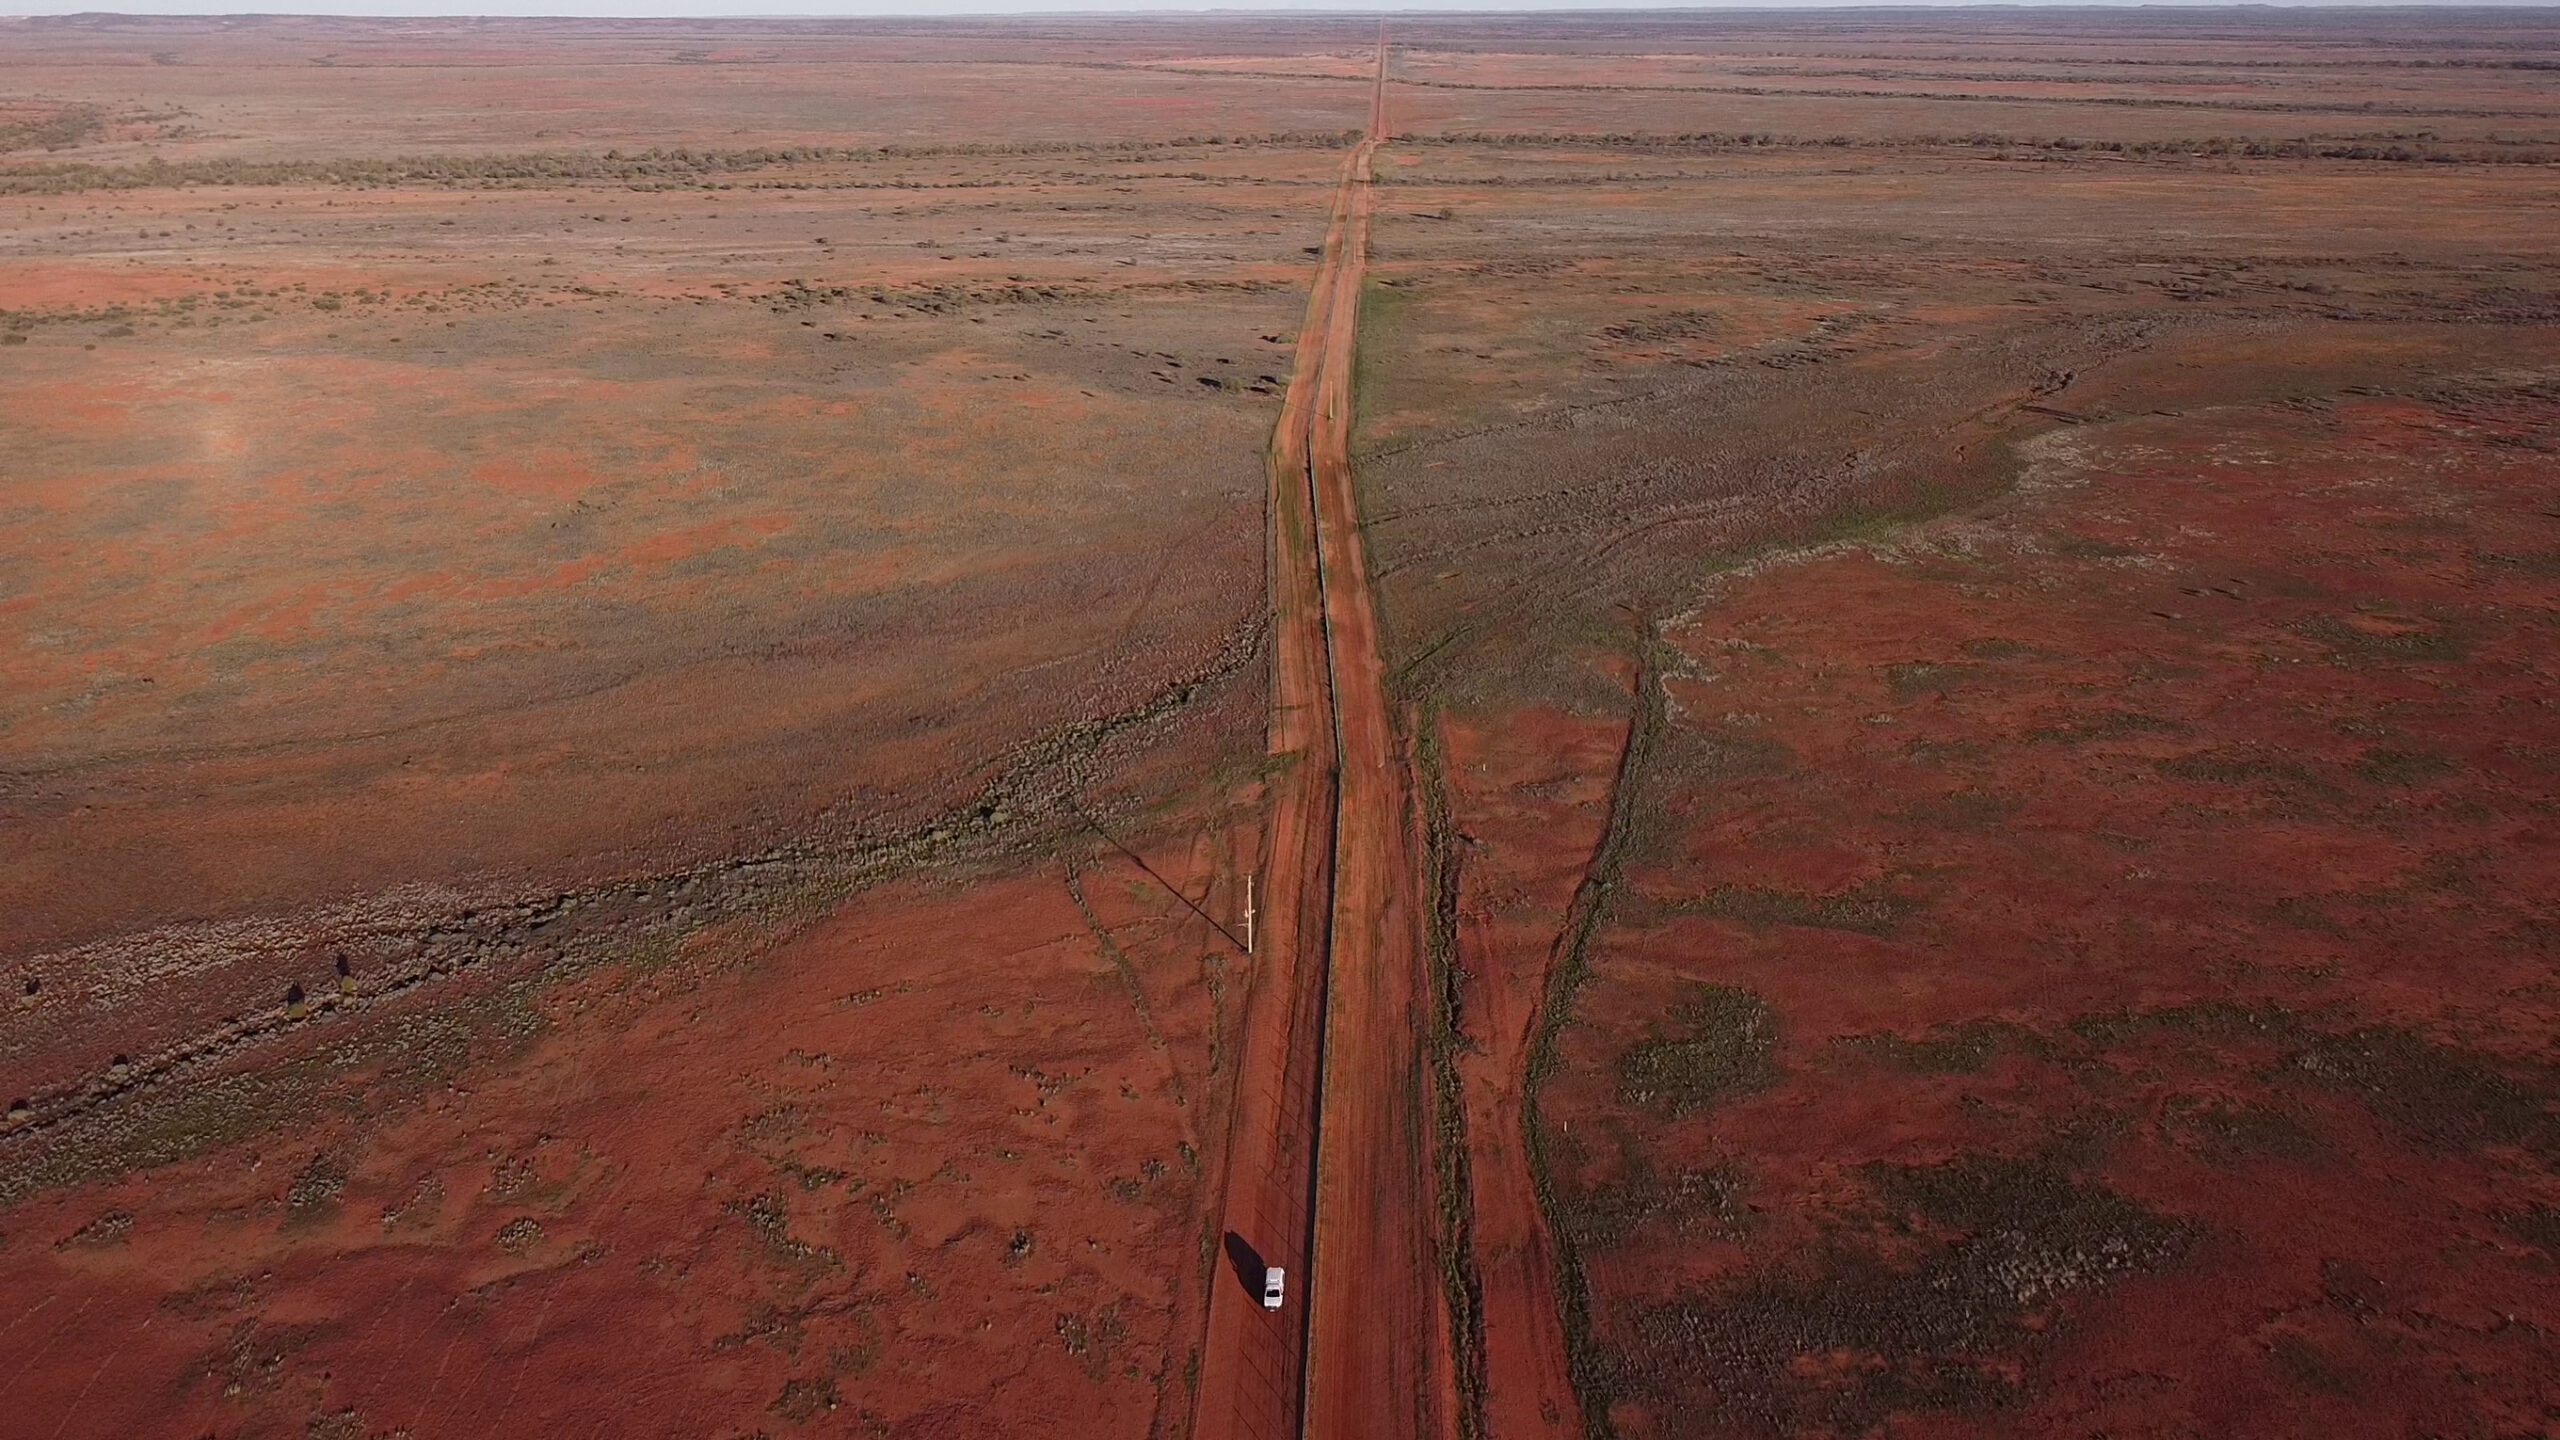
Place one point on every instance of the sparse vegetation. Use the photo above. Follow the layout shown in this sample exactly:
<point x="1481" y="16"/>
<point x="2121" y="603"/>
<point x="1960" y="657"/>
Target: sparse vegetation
<point x="676" y="166"/>
<point x="559" y="654"/>
<point x="1722" y="1042"/>
<point x="1866" y="1332"/>
<point x="1874" y="908"/>
<point x="49" y="127"/>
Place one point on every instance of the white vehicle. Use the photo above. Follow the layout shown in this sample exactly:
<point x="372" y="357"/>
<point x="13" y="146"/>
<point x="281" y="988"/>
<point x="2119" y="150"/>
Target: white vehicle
<point x="1274" y="1279"/>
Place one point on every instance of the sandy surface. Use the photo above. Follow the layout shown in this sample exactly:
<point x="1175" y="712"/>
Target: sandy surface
<point x="2104" y="982"/>
<point x="648" y="666"/>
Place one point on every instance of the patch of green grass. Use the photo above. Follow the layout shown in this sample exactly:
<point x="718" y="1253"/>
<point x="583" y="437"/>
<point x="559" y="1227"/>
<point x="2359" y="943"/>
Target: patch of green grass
<point x="1940" y="752"/>
<point x="2440" y="1095"/>
<point x="105" y="1230"/>
<point x="1093" y="1338"/>
<point x="172" y="1123"/>
<point x="2299" y="1360"/>
<point x="1383" y="308"/>
<point x="1732" y="752"/>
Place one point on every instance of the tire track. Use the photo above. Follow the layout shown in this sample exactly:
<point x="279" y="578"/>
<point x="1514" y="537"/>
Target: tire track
<point x="1328" y="1171"/>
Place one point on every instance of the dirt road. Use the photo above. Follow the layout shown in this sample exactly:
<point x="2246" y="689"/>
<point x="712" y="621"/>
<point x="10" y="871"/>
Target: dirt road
<point x="1252" y="1364"/>
<point x="1377" y="1357"/>
<point x="1331" y="1084"/>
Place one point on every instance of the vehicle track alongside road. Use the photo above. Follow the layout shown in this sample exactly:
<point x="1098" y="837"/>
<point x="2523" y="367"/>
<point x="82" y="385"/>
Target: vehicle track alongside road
<point x="1327" y="1158"/>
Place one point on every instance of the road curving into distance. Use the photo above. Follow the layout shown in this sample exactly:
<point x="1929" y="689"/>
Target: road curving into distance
<point x="1328" y="1169"/>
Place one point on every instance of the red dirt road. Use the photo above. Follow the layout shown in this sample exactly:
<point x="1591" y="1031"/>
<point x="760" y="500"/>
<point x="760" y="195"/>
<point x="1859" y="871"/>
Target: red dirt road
<point x="1252" y="1369"/>
<point x="1377" y="1354"/>
<point x="1378" y="1333"/>
<point x="1332" y="1051"/>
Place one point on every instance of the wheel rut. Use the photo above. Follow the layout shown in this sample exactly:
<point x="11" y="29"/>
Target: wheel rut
<point x="1327" y="1168"/>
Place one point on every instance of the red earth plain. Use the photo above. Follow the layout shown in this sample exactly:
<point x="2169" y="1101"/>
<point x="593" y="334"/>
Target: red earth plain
<point x="1746" y="723"/>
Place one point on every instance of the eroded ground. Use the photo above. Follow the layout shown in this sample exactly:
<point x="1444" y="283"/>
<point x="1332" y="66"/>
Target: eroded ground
<point x="589" y="607"/>
<point x="2080" y="967"/>
<point x="2089" y="963"/>
<point x="471" y="631"/>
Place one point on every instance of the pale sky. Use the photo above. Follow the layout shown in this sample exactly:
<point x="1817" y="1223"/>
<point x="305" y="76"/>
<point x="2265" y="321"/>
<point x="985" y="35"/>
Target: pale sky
<point x="731" y="9"/>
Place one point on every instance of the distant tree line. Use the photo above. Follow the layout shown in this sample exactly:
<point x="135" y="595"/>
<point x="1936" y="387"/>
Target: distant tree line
<point x="2424" y="148"/>
<point x="678" y="165"/>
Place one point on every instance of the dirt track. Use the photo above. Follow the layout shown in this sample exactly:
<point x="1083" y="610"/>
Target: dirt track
<point x="1332" y="1049"/>
<point x="1252" y="1372"/>
<point x="1377" y="1356"/>
<point x="661" y="713"/>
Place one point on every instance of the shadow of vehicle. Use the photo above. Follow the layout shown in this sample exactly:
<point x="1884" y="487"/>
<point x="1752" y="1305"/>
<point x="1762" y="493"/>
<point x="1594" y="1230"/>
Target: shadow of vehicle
<point x="1247" y="1263"/>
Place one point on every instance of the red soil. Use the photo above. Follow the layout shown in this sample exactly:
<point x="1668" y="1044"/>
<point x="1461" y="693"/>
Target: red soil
<point x="1375" y="1336"/>
<point x="1253" y="1360"/>
<point x="1377" y="1354"/>
<point x="832" y="1179"/>
<point x="2174" y="829"/>
<point x="645" y="561"/>
<point x="2084" y="968"/>
<point x="1528" y="802"/>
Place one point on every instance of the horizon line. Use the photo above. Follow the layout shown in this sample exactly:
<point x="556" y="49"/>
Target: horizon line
<point x="1069" y="9"/>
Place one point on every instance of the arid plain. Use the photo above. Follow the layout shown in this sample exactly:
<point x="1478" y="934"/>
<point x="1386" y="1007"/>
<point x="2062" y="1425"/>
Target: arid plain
<point x="654" y="682"/>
